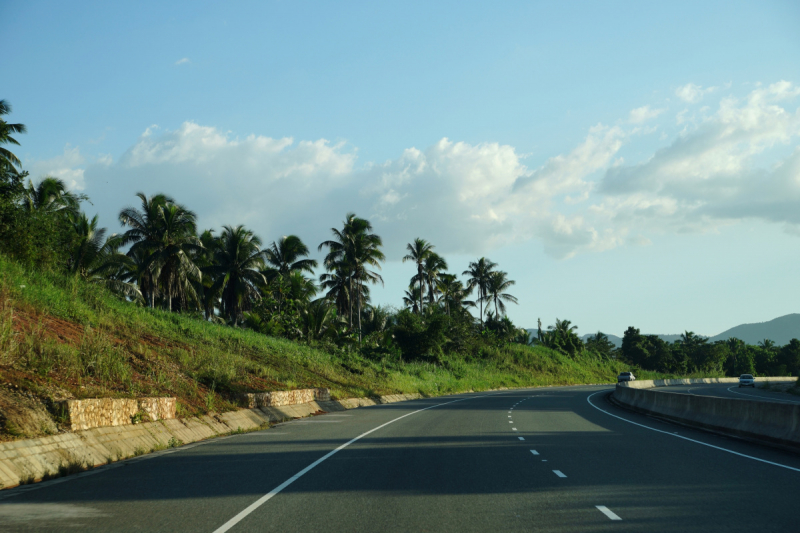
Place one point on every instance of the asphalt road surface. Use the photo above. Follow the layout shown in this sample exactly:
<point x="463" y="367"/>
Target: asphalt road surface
<point x="728" y="390"/>
<point x="553" y="459"/>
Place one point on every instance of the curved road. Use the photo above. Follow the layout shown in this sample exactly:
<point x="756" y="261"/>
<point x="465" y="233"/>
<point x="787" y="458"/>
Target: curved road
<point x="728" y="390"/>
<point x="554" y="459"/>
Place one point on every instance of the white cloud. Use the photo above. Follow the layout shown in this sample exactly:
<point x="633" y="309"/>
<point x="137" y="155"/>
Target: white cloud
<point x="643" y="114"/>
<point x="183" y="61"/>
<point x="692" y="93"/>
<point x="708" y="176"/>
<point x="67" y="167"/>
<point x="470" y="198"/>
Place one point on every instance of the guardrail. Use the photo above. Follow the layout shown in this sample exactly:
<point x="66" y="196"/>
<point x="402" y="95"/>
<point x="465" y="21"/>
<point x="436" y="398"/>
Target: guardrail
<point x="763" y="421"/>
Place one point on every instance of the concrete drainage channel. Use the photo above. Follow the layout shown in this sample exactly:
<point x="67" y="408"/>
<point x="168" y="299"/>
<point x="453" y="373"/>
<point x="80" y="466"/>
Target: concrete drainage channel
<point x="33" y="460"/>
<point x="765" y="422"/>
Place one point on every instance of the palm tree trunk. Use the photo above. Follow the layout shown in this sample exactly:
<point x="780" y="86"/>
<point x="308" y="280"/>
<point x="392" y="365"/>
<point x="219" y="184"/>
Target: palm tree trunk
<point x="359" y="311"/>
<point x="419" y="275"/>
<point x="480" y="299"/>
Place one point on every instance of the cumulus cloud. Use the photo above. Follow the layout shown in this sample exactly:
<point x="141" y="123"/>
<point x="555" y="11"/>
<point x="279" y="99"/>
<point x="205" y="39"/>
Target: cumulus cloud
<point x="734" y="162"/>
<point x="67" y="167"/>
<point x="708" y="175"/>
<point x="643" y="114"/>
<point x="692" y="93"/>
<point x="183" y="61"/>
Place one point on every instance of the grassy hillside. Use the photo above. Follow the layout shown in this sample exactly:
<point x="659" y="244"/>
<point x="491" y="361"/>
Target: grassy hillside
<point x="63" y="338"/>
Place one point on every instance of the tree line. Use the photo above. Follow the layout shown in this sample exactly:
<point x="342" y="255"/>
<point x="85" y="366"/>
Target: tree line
<point x="690" y="354"/>
<point x="163" y="261"/>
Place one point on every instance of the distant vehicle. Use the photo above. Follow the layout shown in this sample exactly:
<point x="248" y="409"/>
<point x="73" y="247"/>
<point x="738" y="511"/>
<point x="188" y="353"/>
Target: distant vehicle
<point x="747" y="380"/>
<point x="626" y="376"/>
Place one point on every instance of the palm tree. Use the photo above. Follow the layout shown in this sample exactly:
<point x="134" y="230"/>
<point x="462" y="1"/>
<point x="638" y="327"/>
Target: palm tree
<point x="480" y="273"/>
<point x="353" y="250"/>
<point x="412" y="298"/>
<point x="434" y="266"/>
<point x="236" y="270"/>
<point x="97" y="259"/>
<point x="767" y="344"/>
<point x="163" y="236"/>
<point x="337" y="285"/>
<point x="452" y="294"/>
<point x="418" y="252"/>
<point x="285" y="256"/>
<point x="319" y="319"/>
<point x="8" y="161"/>
<point x="51" y="195"/>
<point x="691" y="340"/>
<point x="496" y="291"/>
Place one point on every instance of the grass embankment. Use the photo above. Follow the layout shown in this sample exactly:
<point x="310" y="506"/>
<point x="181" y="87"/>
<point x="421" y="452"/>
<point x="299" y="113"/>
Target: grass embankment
<point x="63" y="338"/>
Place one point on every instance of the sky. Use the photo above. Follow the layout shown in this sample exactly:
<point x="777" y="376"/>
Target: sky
<point x="626" y="163"/>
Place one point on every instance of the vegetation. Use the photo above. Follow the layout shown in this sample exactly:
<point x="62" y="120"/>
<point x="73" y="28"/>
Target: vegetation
<point x="693" y="353"/>
<point x="164" y="308"/>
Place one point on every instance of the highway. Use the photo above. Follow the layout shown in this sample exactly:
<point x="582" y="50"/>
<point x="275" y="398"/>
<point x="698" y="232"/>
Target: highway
<point x="559" y="459"/>
<point x="729" y="390"/>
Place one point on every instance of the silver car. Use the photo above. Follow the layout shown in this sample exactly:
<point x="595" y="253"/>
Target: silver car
<point x="626" y="376"/>
<point x="747" y="380"/>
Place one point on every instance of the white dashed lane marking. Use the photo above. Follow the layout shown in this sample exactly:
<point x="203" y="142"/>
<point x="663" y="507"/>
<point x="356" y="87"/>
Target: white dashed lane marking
<point x="559" y="473"/>
<point x="521" y="438"/>
<point x="606" y="511"/>
<point x="513" y="429"/>
<point x="534" y="452"/>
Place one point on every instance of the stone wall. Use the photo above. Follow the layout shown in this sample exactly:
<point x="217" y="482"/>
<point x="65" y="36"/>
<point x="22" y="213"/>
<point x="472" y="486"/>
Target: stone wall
<point x="104" y="412"/>
<point x="252" y="400"/>
<point x="24" y="461"/>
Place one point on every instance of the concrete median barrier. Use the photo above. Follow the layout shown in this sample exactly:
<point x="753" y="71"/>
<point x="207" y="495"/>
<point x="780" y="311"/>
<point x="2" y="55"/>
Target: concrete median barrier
<point x="763" y="421"/>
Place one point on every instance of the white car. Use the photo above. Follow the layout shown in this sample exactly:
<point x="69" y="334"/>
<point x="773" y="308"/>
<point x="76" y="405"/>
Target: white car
<point x="747" y="380"/>
<point x="626" y="376"/>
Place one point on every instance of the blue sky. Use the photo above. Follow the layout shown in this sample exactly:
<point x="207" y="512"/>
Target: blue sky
<point x="627" y="163"/>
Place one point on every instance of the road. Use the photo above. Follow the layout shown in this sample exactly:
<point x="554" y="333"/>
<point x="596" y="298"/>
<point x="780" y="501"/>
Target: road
<point x="551" y="460"/>
<point x="727" y="390"/>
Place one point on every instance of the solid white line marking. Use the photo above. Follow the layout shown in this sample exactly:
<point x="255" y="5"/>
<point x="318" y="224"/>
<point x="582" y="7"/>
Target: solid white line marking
<point x="265" y="498"/>
<point x="559" y="473"/>
<point x="534" y="452"/>
<point x="521" y="438"/>
<point x="765" y="398"/>
<point x="589" y="399"/>
<point x="606" y="511"/>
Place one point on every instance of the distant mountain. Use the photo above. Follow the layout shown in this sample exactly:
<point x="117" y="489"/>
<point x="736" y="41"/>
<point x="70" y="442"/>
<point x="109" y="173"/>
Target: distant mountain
<point x="779" y="330"/>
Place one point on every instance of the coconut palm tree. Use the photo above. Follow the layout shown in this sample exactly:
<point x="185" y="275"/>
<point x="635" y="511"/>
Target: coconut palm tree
<point x="496" y="291"/>
<point x="164" y="236"/>
<point x="412" y="297"/>
<point x="96" y="258"/>
<point x="418" y="252"/>
<point x="353" y="250"/>
<point x="767" y="344"/>
<point x="318" y="319"/>
<point x="8" y="161"/>
<point x="51" y="195"/>
<point x="337" y="285"/>
<point x="434" y="266"/>
<point x="480" y="273"/>
<point x="453" y="295"/>
<point x="285" y="256"/>
<point x="236" y="269"/>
